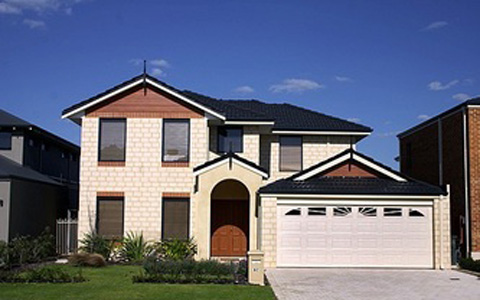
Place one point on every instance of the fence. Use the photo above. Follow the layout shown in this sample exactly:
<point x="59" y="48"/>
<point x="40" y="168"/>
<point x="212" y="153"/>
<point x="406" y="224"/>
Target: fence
<point x="66" y="236"/>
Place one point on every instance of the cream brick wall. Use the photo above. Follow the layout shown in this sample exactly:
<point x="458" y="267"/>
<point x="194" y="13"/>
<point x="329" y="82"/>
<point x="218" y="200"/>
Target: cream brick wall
<point x="268" y="222"/>
<point x="143" y="179"/>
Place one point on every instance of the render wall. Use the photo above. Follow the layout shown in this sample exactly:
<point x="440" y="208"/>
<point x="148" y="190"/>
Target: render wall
<point x="4" y="209"/>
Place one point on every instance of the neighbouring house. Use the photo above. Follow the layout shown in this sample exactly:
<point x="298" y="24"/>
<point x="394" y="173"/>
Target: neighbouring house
<point x="38" y="177"/>
<point x="445" y="149"/>
<point x="245" y="175"/>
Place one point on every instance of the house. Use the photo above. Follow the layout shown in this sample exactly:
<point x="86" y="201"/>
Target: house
<point x="38" y="177"/>
<point x="244" y="175"/>
<point x="445" y="150"/>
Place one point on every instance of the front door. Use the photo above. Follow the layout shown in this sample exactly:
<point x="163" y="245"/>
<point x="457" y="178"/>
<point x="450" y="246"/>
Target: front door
<point x="229" y="227"/>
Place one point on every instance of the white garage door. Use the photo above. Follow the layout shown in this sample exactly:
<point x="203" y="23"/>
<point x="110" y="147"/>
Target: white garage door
<point x="354" y="236"/>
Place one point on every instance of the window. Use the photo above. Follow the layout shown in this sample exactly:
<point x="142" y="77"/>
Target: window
<point x="175" y="220"/>
<point x="5" y="141"/>
<point x="290" y="153"/>
<point x="176" y="135"/>
<point x="293" y="212"/>
<point x="112" y="139"/>
<point x="415" y="213"/>
<point x="342" y="211"/>
<point x="317" y="211"/>
<point x="230" y="139"/>
<point x="392" y="212"/>
<point x="110" y="217"/>
<point x="368" y="211"/>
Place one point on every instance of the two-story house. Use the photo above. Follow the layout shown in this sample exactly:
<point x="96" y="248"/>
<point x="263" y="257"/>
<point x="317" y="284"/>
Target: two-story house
<point x="244" y="175"/>
<point x="38" y="177"/>
<point x="445" y="149"/>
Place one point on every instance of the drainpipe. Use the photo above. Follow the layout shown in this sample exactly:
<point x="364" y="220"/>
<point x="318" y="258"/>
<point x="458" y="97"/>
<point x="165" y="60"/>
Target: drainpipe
<point x="465" y="177"/>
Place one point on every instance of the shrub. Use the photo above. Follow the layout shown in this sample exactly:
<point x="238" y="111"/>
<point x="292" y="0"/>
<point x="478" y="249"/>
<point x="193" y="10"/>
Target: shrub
<point x="96" y="243"/>
<point x="53" y="275"/>
<point x="470" y="264"/>
<point x="176" y="249"/>
<point x="134" y="248"/>
<point x="87" y="260"/>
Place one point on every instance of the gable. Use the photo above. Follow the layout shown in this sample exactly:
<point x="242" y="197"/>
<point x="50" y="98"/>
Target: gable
<point x="135" y="103"/>
<point x="350" y="169"/>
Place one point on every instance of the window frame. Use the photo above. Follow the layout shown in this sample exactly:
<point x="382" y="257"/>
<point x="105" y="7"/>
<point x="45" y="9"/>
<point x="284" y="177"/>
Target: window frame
<point x="165" y="199"/>
<point x="101" y="120"/>
<point x="280" y="152"/>
<point x="11" y="143"/>
<point x="97" y="215"/>
<point x="188" y="140"/>
<point x="230" y="127"/>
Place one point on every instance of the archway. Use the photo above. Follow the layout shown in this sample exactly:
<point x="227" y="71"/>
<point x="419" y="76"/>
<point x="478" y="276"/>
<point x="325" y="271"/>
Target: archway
<point x="229" y="219"/>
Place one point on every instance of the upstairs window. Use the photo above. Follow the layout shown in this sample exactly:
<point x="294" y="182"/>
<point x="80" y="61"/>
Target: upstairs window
<point x="5" y="141"/>
<point x="112" y="139"/>
<point x="230" y="139"/>
<point x="290" y="153"/>
<point x="176" y="135"/>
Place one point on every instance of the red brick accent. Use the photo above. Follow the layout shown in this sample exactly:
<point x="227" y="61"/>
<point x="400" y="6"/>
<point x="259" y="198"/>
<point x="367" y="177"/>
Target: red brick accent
<point x="474" y="157"/>
<point x="135" y="104"/>
<point x="350" y="170"/>
<point x="110" y="194"/>
<point x="175" y="195"/>
<point x="172" y="164"/>
<point x="111" y="164"/>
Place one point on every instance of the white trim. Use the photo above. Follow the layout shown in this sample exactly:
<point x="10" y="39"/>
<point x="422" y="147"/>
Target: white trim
<point x="345" y="157"/>
<point x="286" y="266"/>
<point x="346" y="196"/>
<point x="303" y="132"/>
<point x="271" y="123"/>
<point x="224" y="161"/>
<point x="358" y="202"/>
<point x="133" y="84"/>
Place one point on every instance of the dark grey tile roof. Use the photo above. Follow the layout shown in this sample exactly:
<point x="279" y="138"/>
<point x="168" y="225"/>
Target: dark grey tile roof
<point x="7" y="119"/>
<point x="351" y="186"/>
<point x="285" y="116"/>
<point x="227" y="156"/>
<point x="11" y="169"/>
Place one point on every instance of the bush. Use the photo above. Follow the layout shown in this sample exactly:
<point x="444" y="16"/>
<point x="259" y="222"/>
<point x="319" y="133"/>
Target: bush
<point x="176" y="249"/>
<point x="95" y="243"/>
<point x="52" y="275"/>
<point x="470" y="264"/>
<point x="87" y="260"/>
<point x="187" y="271"/>
<point x="134" y="248"/>
<point x="26" y="249"/>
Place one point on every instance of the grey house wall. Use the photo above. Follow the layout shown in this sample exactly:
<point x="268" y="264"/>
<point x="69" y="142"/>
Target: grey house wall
<point x="34" y="206"/>
<point x="16" y="153"/>
<point x="4" y="209"/>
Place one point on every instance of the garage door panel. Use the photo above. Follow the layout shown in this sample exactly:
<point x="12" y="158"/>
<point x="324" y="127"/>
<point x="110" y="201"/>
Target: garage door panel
<point x="355" y="236"/>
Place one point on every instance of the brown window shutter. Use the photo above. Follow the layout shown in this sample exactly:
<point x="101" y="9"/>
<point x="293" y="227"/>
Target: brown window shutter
<point x="175" y="218"/>
<point x="110" y="217"/>
<point x="290" y="153"/>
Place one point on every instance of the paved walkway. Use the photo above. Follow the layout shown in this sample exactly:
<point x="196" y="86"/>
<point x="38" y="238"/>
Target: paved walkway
<point x="373" y="284"/>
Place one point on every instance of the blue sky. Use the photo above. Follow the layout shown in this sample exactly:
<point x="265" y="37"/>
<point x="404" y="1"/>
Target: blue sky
<point x="385" y="64"/>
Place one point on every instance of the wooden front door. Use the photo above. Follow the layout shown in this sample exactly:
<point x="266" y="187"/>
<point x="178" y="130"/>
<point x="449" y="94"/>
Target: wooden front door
<point x="229" y="227"/>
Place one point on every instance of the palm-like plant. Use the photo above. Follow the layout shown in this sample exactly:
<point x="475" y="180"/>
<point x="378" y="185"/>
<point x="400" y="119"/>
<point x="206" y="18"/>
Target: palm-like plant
<point x="135" y="248"/>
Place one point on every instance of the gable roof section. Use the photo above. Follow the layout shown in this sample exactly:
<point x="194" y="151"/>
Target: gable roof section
<point x="11" y="169"/>
<point x="283" y="117"/>
<point x="344" y="156"/>
<point x="227" y="158"/>
<point x="7" y="119"/>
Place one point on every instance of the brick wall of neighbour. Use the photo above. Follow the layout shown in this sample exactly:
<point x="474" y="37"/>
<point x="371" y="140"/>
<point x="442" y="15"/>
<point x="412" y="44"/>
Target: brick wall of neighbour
<point x="474" y="172"/>
<point x="143" y="180"/>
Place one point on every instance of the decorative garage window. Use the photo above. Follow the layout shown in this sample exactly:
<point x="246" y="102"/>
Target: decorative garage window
<point x="175" y="219"/>
<point x="294" y="212"/>
<point x="110" y="217"/>
<point x="176" y="136"/>
<point x="317" y="211"/>
<point x="342" y="211"/>
<point x="112" y="139"/>
<point x="415" y="213"/>
<point x="368" y="211"/>
<point x="392" y="212"/>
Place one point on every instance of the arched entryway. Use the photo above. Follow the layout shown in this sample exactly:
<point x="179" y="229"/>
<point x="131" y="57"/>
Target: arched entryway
<point x="229" y="219"/>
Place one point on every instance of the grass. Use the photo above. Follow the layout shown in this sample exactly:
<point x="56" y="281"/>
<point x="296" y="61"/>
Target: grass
<point x="115" y="282"/>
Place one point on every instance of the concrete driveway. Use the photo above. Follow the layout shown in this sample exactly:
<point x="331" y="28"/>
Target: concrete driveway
<point x="372" y="284"/>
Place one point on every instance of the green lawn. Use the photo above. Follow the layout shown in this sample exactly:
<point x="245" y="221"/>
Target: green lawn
<point x="115" y="282"/>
